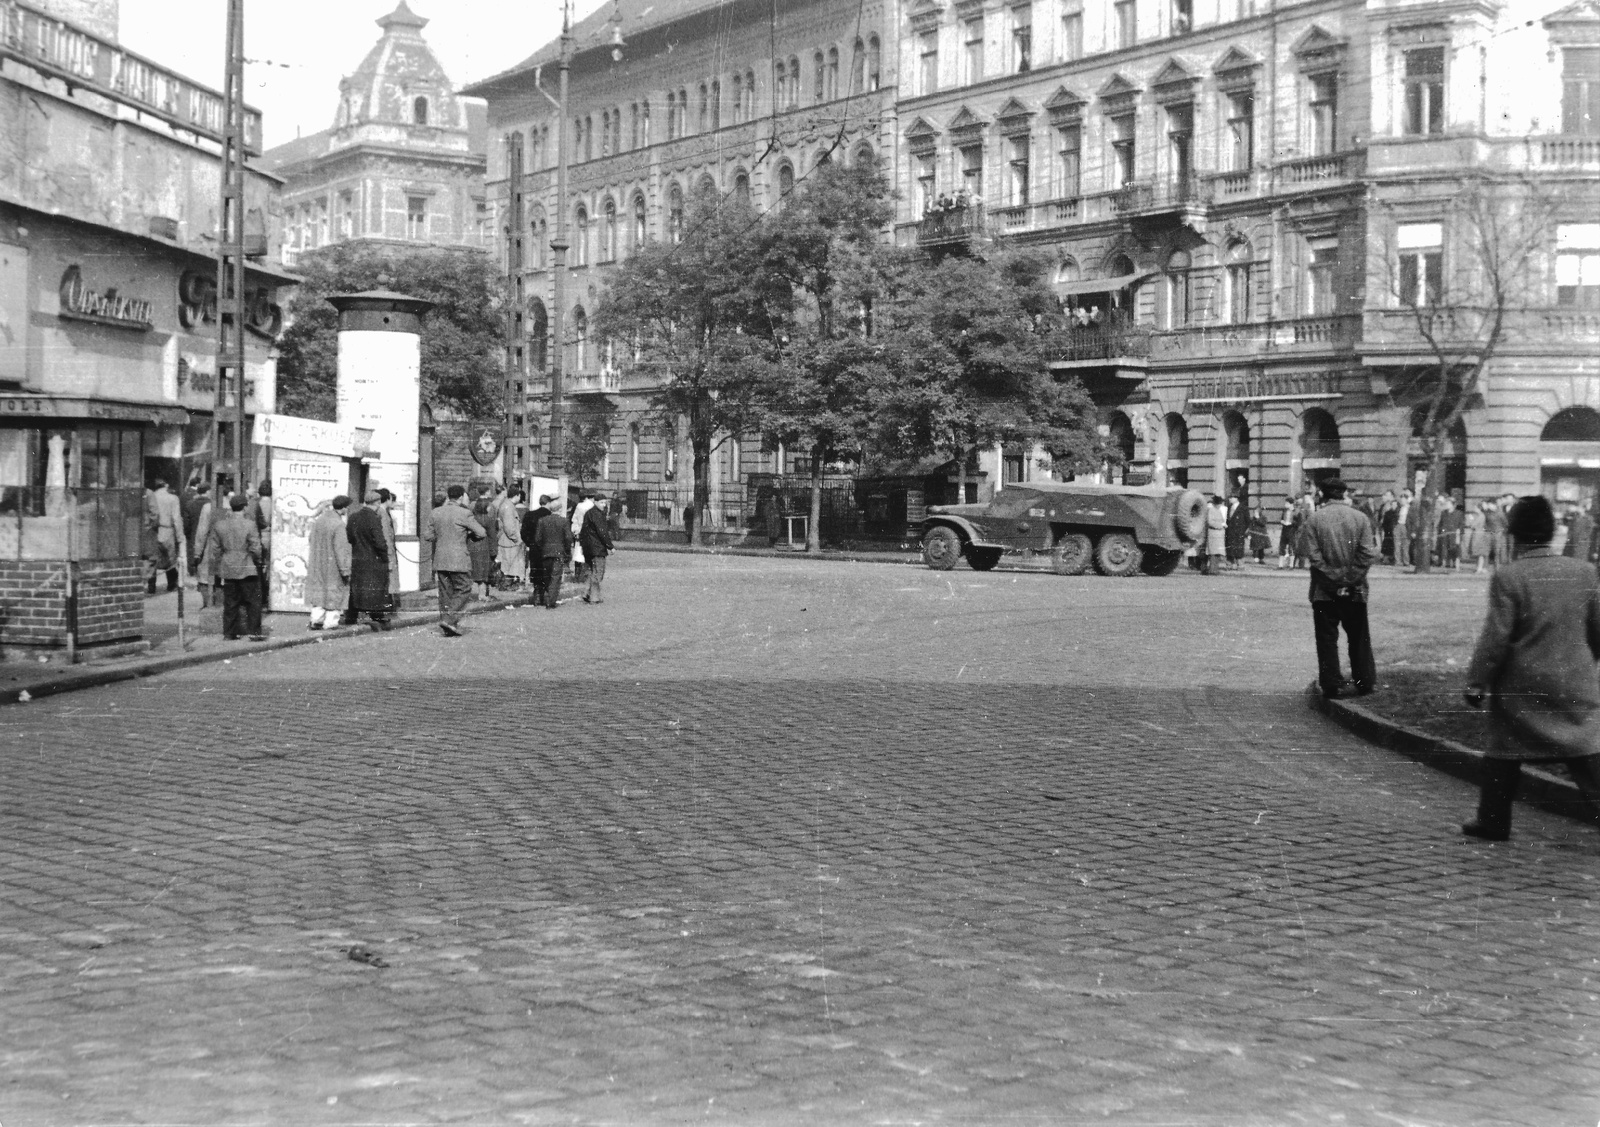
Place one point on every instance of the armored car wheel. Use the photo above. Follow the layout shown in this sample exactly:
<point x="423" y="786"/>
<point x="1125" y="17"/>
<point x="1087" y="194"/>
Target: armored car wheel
<point x="1159" y="561"/>
<point x="1117" y="554"/>
<point x="1189" y="518"/>
<point x="1073" y="554"/>
<point x="941" y="548"/>
<point x="983" y="559"/>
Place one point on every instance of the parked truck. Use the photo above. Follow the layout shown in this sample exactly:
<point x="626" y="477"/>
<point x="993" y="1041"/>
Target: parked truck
<point x="1115" y="529"/>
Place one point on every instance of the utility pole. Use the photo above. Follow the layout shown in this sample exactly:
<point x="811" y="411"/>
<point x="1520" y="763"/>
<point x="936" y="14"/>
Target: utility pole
<point x="555" y="455"/>
<point x="227" y="420"/>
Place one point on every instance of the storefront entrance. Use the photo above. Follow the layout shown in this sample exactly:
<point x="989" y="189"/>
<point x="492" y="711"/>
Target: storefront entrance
<point x="1569" y="457"/>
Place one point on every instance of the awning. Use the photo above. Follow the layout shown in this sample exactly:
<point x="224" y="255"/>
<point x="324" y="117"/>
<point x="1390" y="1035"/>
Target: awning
<point x="23" y="407"/>
<point x="1099" y="285"/>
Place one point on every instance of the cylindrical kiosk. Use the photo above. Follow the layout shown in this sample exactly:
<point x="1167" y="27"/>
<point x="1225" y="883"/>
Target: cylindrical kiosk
<point x="380" y="387"/>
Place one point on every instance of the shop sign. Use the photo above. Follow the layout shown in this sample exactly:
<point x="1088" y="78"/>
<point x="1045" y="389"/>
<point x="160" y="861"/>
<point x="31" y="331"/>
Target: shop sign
<point x="197" y="305"/>
<point x="47" y="407"/>
<point x="287" y="432"/>
<point x="101" y="307"/>
<point x="486" y="443"/>
<point x="199" y="387"/>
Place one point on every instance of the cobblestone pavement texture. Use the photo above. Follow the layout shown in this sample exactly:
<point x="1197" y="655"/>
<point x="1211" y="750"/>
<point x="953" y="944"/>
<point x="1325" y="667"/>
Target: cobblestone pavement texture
<point x="759" y="842"/>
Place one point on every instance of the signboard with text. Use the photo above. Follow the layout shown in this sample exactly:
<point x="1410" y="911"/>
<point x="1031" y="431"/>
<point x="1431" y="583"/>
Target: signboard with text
<point x="301" y="481"/>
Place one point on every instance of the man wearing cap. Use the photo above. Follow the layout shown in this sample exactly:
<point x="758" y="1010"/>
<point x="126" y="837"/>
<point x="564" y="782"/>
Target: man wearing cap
<point x="233" y="555"/>
<point x="328" y="565"/>
<point x="595" y="538"/>
<point x="1339" y="545"/>
<point x="530" y="540"/>
<point x="451" y="527"/>
<point x="549" y="548"/>
<point x="369" y="563"/>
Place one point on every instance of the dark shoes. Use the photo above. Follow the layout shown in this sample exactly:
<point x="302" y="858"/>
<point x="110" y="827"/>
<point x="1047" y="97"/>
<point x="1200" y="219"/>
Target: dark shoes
<point x="449" y="630"/>
<point x="258" y="637"/>
<point x="1486" y="833"/>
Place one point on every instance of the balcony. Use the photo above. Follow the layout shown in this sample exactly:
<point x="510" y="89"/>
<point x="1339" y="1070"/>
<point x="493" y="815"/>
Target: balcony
<point x="1301" y="335"/>
<point x="950" y="226"/>
<point x="1331" y="168"/>
<point x="45" y="44"/>
<point x="606" y="381"/>
<point x="1076" y="346"/>
<point x="1392" y="336"/>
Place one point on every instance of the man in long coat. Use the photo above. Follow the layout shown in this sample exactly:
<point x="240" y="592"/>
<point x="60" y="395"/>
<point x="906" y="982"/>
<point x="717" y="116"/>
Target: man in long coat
<point x="233" y="554"/>
<point x="1535" y="664"/>
<point x="595" y="539"/>
<point x="451" y="527"/>
<point x="328" y="565"/>
<point x="1341" y="549"/>
<point x="369" y="564"/>
<point x="552" y="547"/>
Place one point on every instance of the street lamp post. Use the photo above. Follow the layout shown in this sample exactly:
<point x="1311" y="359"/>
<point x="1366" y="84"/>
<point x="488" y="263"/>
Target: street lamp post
<point x="555" y="454"/>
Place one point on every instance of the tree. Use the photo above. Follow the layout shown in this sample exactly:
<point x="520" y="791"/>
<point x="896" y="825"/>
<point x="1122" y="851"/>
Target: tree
<point x="463" y="335"/>
<point x="824" y="374"/>
<point x="970" y="341"/>
<point x="1457" y="291"/>
<point x="698" y="312"/>
<point x="588" y="443"/>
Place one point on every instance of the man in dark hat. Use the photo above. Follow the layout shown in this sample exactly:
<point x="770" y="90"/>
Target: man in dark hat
<point x="595" y="539"/>
<point x="233" y="555"/>
<point x="1340" y="547"/>
<point x="369" y="563"/>
<point x="551" y="547"/>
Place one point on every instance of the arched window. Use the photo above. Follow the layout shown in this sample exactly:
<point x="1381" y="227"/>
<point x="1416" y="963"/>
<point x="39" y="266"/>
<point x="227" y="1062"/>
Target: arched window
<point x="749" y="95"/>
<point x="1238" y="301"/>
<point x="1068" y="271"/>
<point x="538" y="239"/>
<point x="580" y="243"/>
<point x="683" y="112"/>
<point x="741" y="187"/>
<point x="635" y="432"/>
<point x="831" y="89"/>
<point x="858" y="67"/>
<point x="605" y="133"/>
<point x="874" y="63"/>
<point x="1454" y="452"/>
<point x="1319" y="445"/>
<point x="792" y="100"/>
<point x="716" y="103"/>
<point x="538" y="335"/>
<point x="819" y="71"/>
<point x="865" y="155"/>
<point x="785" y="181"/>
<point x="1575" y="424"/>
<point x="644" y="123"/>
<point x="639" y="232"/>
<point x="588" y="138"/>
<point x="824" y="156"/>
<point x="419" y="111"/>
<point x="780" y="83"/>
<point x="738" y="98"/>
<point x="580" y="338"/>
<point x="672" y="115"/>
<point x="675" y="214"/>
<point x="1569" y="449"/>
<point x="1120" y="441"/>
<point x="1177" y="450"/>
<point x="1177" y="290"/>
<point x="706" y="189"/>
<point x="633" y="126"/>
<point x="608" y="232"/>
<point x="704" y="122"/>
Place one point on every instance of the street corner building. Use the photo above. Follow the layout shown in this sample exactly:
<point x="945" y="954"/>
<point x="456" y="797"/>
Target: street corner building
<point x="1258" y="214"/>
<point x="109" y="202"/>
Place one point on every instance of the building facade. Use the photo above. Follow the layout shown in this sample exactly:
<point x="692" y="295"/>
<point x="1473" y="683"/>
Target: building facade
<point x="738" y="97"/>
<point x="1247" y="203"/>
<point x="109" y="201"/>
<point x="403" y="163"/>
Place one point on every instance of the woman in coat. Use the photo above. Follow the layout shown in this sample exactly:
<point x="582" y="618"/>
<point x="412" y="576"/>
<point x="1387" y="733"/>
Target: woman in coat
<point x="1260" y="540"/>
<point x="328" y="564"/>
<point x="1216" y="534"/>
<point x="1474" y="537"/>
<point x="369" y="563"/>
<point x="482" y="551"/>
<point x="386" y="515"/>
<point x="1535" y="664"/>
<point x="1238" y="518"/>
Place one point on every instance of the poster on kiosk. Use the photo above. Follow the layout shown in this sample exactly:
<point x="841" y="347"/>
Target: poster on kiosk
<point x="309" y="463"/>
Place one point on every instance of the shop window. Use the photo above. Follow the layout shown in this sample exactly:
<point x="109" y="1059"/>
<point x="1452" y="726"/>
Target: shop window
<point x="1578" y="265"/>
<point x="71" y="492"/>
<point x="1424" y="91"/>
<point x="1580" y="90"/>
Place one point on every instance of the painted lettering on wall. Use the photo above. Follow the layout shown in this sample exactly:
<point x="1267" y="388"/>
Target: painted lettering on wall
<point x="197" y="305"/>
<point x="102" y="307"/>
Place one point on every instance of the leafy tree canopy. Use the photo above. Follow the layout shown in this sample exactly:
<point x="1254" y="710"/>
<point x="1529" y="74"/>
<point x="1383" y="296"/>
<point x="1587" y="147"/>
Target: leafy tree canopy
<point x="462" y="336"/>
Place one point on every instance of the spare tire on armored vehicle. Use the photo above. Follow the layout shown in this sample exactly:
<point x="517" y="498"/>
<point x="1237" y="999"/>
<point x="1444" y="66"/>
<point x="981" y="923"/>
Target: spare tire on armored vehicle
<point x="1119" y="530"/>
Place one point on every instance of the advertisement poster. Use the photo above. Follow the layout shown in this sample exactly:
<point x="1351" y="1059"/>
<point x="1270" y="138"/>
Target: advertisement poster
<point x="300" y="482"/>
<point x="380" y="379"/>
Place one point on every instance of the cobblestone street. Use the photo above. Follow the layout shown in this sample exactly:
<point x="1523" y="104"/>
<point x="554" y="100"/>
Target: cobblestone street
<point x="772" y="842"/>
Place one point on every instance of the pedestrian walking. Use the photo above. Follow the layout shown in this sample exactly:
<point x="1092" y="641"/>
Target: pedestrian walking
<point x="509" y="553"/>
<point x="481" y="552"/>
<point x="328" y="565"/>
<point x="1288" y="528"/>
<point x="530" y="543"/>
<point x="579" y="511"/>
<point x="595" y="539"/>
<point x="1405" y="523"/>
<point x="1236" y="531"/>
<point x="369" y="564"/>
<point x="233" y="551"/>
<point x="1216" y="534"/>
<point x="259" y="512"/>
<point x="193" y="503"/>
<point x="1448" y="536"/>
<point x="1340" y="548"/>
<point x="552" y="544"/>
<point x="386" y="501"/>
<point x="167" y="550"/>
<point x="452" y="530"/>
<point x="1535" y="667"/>
<point x="202" y="534"/>
<point x="1388" y="512"/>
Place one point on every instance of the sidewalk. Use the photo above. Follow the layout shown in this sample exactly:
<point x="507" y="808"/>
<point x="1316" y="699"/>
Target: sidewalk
<point x="22" y="680"/>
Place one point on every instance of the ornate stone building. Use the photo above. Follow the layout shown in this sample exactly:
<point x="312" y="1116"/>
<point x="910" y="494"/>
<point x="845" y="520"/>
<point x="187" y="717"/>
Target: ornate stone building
<point x="403" y="163"/>
<point x="1243" y="202"/>
<point x="740" y="96"/>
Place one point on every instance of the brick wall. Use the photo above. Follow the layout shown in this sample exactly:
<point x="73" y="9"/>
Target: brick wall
<point x="33" y="608"/>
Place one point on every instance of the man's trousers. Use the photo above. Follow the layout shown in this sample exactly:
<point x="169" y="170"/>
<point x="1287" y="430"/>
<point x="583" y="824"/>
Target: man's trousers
<point x="455" y="592"/>
<point x="1327" y="616"/>
<point x="241" y="606"/>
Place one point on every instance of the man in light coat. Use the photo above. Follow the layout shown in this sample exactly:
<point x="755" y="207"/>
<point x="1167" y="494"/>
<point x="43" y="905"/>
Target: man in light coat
<point x="1340" y="548"/>
<point x="1535" y="665"/>
<point x="508" y="543"/>
<point x="233" y="554"/>
<point x="328" y="565"/>
<point x="450" y="528"/>
<point x="165" y="514"/>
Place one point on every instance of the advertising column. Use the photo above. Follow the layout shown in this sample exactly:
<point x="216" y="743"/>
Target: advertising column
<point x="380" y="374"/>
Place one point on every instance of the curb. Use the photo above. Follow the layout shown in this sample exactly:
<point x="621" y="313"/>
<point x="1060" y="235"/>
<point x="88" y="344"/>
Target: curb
<point x="1540" y="788"/>
<point x="94" y="678"/>
<point x="826" y="556"/>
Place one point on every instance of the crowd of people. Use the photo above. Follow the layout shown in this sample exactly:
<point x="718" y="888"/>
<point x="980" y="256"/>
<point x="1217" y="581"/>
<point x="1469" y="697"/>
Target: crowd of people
<point x="492" y="539"/>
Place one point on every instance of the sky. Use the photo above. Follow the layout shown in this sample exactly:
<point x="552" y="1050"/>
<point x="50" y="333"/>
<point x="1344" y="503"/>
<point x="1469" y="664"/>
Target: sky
<point x="304" y="47"/>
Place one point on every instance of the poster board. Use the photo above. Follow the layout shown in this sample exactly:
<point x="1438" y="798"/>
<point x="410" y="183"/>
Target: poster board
<point x="301" y="481"/>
